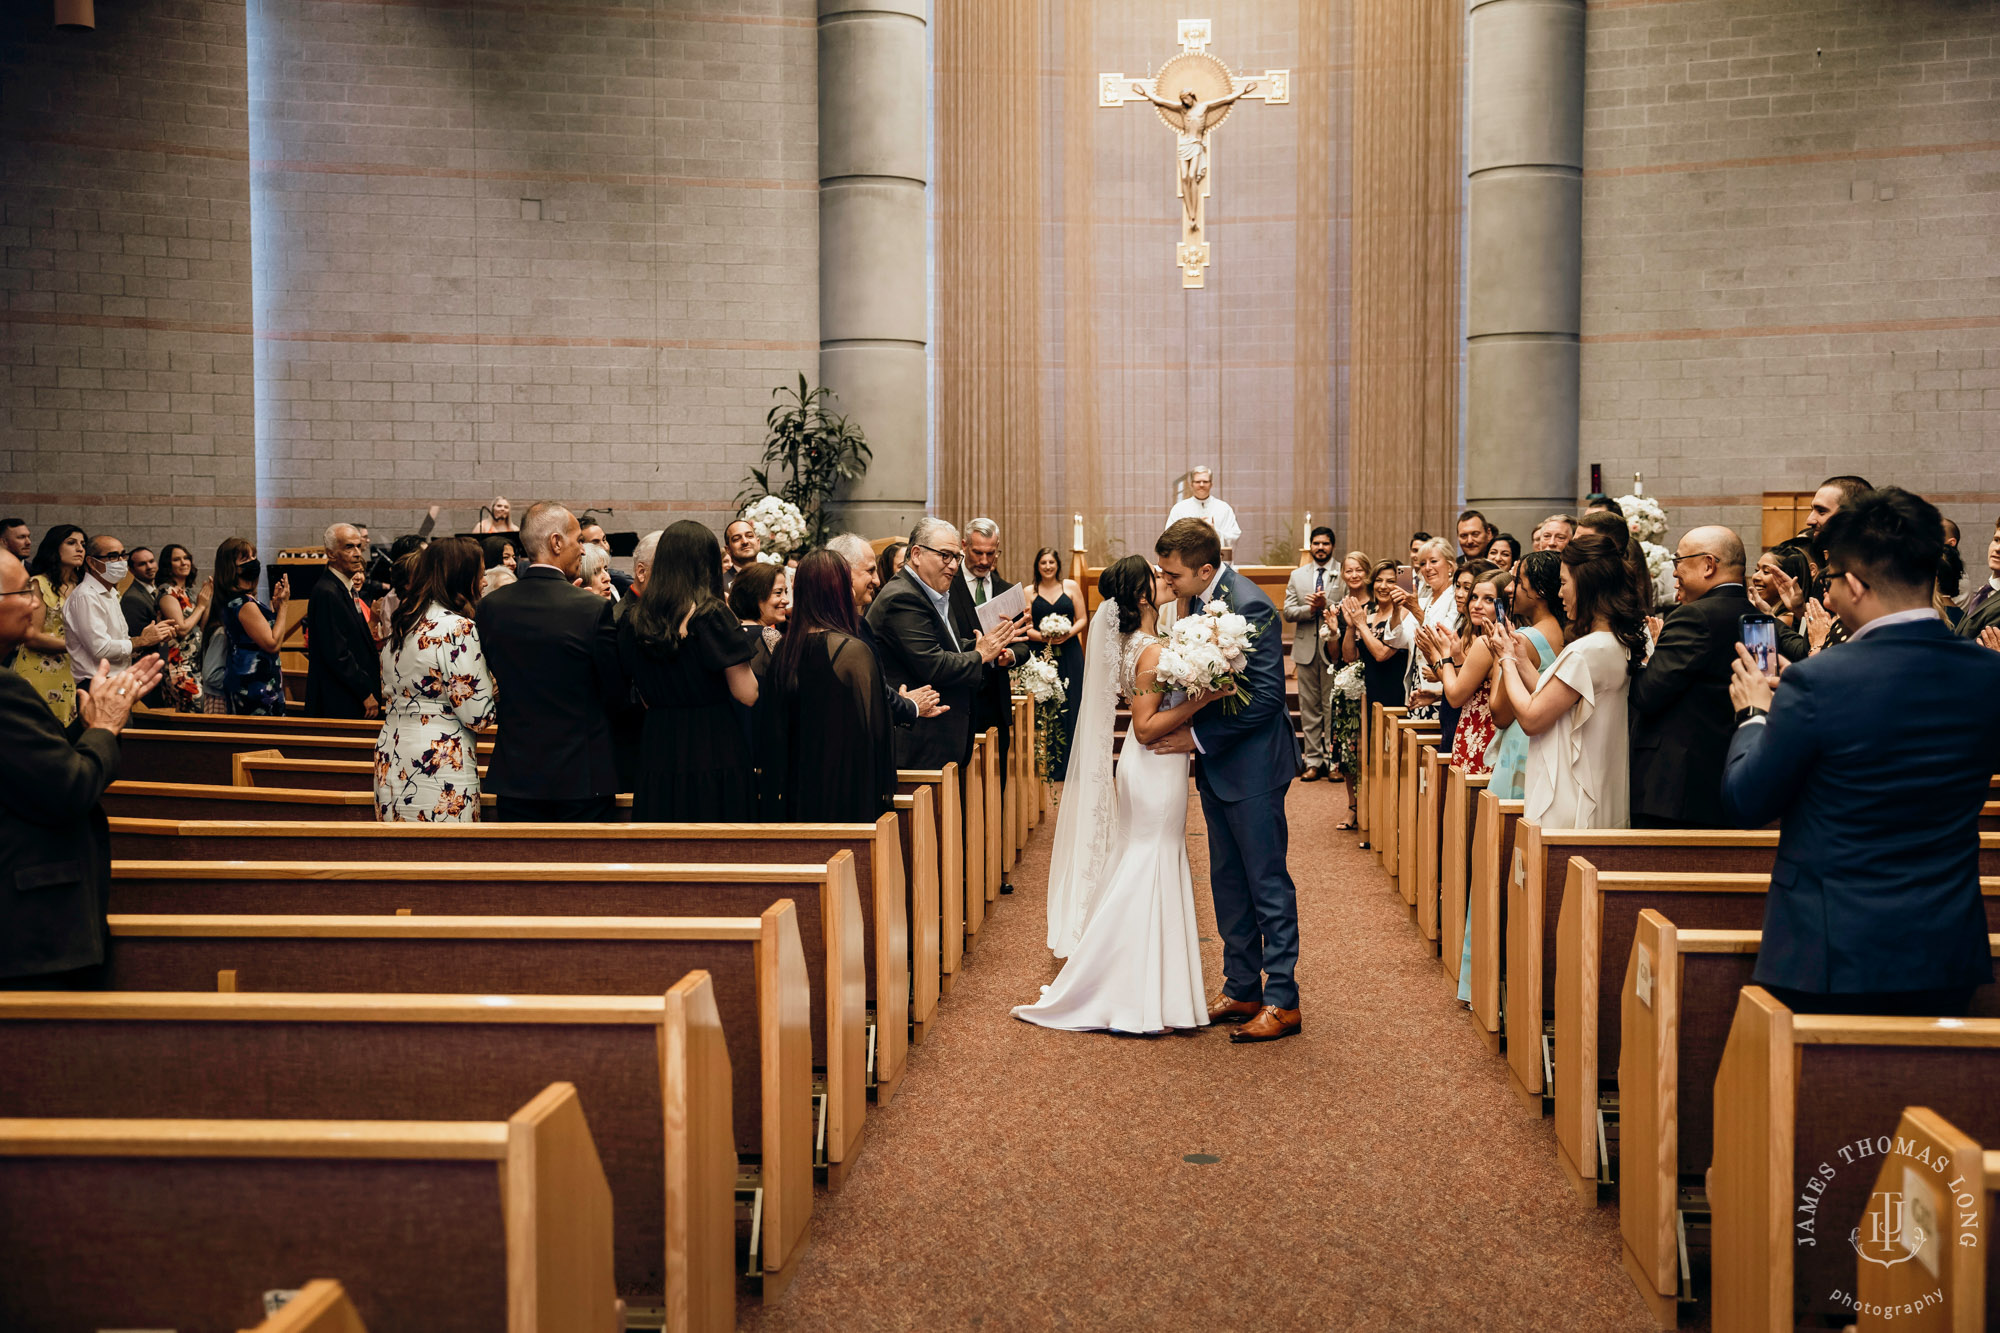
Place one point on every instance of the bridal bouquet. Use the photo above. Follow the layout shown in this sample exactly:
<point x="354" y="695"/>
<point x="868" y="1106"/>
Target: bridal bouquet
<point x="1348" y="682"/>
<point x="780" y="526"/>
<point x="1055" y="626"/>
<point x="1039" y="680"/>
<point x="1207" y="653"/>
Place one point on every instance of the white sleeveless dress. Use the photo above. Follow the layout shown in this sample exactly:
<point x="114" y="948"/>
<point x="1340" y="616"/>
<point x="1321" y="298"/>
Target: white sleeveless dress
<point x="1137" y="966"/>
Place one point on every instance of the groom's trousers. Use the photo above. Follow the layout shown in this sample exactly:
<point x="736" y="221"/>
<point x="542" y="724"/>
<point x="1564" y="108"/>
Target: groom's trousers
<point x="1256" y="905"/>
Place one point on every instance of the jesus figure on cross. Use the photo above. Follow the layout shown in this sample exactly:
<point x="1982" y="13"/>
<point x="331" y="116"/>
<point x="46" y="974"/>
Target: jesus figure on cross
<point x="1191" y="145"/>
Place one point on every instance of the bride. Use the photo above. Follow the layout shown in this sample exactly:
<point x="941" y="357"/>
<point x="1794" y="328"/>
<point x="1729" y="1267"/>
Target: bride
<point x="1121" y="902"/>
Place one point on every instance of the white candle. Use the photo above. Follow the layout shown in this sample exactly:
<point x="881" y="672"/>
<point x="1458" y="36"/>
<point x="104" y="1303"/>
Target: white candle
<point x="1076" y="541"/>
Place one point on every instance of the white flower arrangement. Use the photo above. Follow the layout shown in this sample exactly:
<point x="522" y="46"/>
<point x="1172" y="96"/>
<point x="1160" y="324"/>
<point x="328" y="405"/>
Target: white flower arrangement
<point x="1348" y="681"/>
<point x="1644" y="516"/>
<point x="1207" y="653"/>
<point x="1055" y="626"/>
<point x="1039" y="680"/>
<point x="1660" y="564"/>
<point x="769" y="558"/>
<point x="780" y="526"/>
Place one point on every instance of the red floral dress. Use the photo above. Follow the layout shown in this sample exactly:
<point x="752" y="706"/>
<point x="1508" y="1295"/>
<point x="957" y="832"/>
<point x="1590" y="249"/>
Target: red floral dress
<point x="1477" y="739"/>
<point x="182" y="656"/>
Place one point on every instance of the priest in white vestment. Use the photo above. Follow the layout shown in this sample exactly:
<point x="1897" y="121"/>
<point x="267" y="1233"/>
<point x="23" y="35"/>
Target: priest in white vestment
<point x="1216" y="513"/>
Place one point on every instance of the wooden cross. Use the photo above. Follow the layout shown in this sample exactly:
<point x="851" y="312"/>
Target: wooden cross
<point x="1193" y="93"/>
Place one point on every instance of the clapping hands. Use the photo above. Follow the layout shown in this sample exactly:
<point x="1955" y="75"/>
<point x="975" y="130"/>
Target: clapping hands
<point x="1818" y="624"/>
<point x="925" y="698"/>
<point x="1990" y="638"/>
<point x="1790" y="594"/>
<point x="109" y="701"/>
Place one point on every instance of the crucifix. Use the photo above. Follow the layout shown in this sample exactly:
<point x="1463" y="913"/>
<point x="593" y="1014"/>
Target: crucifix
<point x="1192" y="94"/>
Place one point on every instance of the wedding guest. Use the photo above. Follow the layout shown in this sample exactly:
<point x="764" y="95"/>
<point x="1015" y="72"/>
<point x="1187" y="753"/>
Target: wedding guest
<point x="1348" y="654"/>
<point x="743" y="542"/>
<point x="760" y="598"/>
<point x="1679" y="699"/>
<point x="15" y="536"/>
<point x="840" y="763"/>
<point x="890" y="562"/>
<point x="1579" y="773"/>
<point x="691" y="663"/>
<point x="1504" y="551"/>
<point x="342" y="669"/>
<point x="499" y="518"/>
<point x="1630" y="550"/>
<point x="642" y="566"/>
<point x="1055" y="595"/>
<point x="140" y="601"/>
<point x="1783" y="564"/>
<point x="94" y="620"/>
<point x="43" y="656"/>
<point x="501" y="566"/>
<point x="619" y="582"/>
<point x="1950" y="581"/>
<point x="1982" y="609"/>
<point x="1537" y="614"/>
<point x="1597" y="502"/>
<point x="1307" y="595"/>
<point x="54" y="841"/>
<point x="918" y="644"/>
<point x="253" y="678"/>
<point x="1210" y="510"/>
<point x="553" y="652"/>
<point x="1417" y="540"/>
<point x="1385" y="628"/>
<point x="594" y="572"/>
<point x="1465" y="664"/>
<point x="1875" y="761"/>
<point x="1468" y="573"/>
<point x="1553" y="533"/>
<point x="1440" y="611"/>
<point x="436" y="692"/>
<point x="1475" y="535"/>
<point x="183" y="608"/>
<point x="993" y="705"/>
<point x="905" y="705"/>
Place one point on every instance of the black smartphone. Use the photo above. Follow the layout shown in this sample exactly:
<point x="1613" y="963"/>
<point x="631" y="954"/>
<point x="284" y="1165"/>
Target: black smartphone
<point x="1502" y="618"/>
<point x="1760" y="636"/>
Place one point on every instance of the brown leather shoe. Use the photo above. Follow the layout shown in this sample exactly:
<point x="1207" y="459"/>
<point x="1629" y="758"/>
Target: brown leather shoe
<point x="1222" y="1009"/>
<point x="1270" y="1024"/>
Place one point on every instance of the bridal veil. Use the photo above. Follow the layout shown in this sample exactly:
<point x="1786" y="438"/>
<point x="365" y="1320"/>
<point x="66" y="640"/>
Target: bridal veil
<point x="1087" y="818"/>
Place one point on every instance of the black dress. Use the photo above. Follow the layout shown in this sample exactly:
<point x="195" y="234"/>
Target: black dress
<point x="1383" y="681"/>
<point x="1069" y="665"/>
<point x="694" y="757"/>
<point x="764" y="724"/>
<point x="839" y="766"/>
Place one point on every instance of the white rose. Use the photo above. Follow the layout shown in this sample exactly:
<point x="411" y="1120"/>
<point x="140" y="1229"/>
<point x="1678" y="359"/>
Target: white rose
<point x="1218" y="607"/>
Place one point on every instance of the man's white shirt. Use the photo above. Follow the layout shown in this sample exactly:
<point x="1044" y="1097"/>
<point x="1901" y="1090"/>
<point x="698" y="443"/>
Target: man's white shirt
<point x="1216" y="513"/>
<point x="94" y="629"/>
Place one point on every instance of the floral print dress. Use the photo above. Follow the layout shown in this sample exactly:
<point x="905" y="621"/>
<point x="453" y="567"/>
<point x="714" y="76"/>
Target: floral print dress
<point x="255" y="680"/>
<point x="49" y="672"/>
<point x="436" y="690"/>
<point x="183" y="658"/>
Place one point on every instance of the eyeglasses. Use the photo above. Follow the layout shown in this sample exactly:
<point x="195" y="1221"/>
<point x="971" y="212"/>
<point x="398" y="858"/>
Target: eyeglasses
<point x="28" y="591"/>
<point x="1691" y="556"/>
<point x="949" y="557"/>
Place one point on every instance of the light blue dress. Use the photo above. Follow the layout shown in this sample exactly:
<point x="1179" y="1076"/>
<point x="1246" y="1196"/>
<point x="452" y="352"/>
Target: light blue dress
<point x="1508" y="782"/>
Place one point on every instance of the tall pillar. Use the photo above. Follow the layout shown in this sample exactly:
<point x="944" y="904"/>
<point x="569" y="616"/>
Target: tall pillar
<point x="871" y="247"/>
<point x="1524" y="223"/>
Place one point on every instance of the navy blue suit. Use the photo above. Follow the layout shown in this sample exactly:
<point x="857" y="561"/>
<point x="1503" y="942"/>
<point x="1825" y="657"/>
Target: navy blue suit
<point x="1877" y="759"/>
<point x="1244" y="763"/>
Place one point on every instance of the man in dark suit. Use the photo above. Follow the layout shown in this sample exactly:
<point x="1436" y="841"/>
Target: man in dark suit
<point x="918" y="644"/>
<point x="1982" y="608"/>
<point x="1244" y="762"/>
<point x="343" y="669"/>
<point x="553" y="651"/>
<point x="993" y="705"/>
<point x="141" y="603"/>
<point x="1877" y="760"/>
<point x="55" y="848"/>
<point x="1679" y="702"/>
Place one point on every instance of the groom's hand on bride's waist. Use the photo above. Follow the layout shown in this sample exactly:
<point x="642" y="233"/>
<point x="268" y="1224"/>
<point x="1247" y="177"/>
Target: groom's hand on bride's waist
<point x="1178" y="741"/>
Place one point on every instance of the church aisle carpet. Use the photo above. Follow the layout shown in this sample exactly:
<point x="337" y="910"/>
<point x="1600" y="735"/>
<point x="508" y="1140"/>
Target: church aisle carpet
<point x="1375" y="1172"/>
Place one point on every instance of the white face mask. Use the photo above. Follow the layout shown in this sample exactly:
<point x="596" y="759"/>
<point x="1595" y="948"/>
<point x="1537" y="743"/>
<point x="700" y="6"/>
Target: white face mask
<point x="114" y="571"/>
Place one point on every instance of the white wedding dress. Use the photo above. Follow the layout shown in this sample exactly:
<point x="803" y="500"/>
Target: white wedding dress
<point x="1121" y="900"/>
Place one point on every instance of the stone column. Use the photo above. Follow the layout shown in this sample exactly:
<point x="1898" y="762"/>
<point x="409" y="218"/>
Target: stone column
<point x="872" y="247"/>
<point x="1524" y="219"/>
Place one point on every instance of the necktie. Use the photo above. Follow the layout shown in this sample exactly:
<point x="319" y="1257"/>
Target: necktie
<point x="1979" y="599"/>
<point x="979" y="592"/>
<point x="1319" y="579"/>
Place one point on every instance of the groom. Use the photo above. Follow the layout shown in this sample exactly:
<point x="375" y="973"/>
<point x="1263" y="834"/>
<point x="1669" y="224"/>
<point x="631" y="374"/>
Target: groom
<point x="1244" y="763"/>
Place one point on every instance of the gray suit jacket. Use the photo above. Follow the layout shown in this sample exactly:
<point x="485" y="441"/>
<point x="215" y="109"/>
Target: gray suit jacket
<point x="1306" y="644"/>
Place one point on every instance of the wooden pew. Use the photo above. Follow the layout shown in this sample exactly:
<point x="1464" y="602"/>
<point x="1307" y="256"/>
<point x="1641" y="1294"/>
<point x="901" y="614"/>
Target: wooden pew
<point x="916" y="823"/>
<point x="1954" y="1287"/>
<point x="270" y="768"/>
<point x="653" y="1069"/>
<point x="1495" y="865"/>
<point x="1535" y="901"/>
<point x="758" y="959"/>
<point x="157" y="719"/>
<point x="110" y="1223"/>
<point x="1801" y="1100"/>
<point x="188" y="800"/>
<point x="200" y="756"/>
<point x="1426" y="827"/>
<point x="1597" y="927"/>
<point x="321" y="1306"/>
<point x="1381" y="791"/>
<point x="1677" y="1003"/>
<point x="996" y="820"/>
<point x="974" y="792"/>
<point x="1410" y="739"/>
<point x="828" y="917"/>
<point x="948" y="803"/>
<point x="1461" y="796"/>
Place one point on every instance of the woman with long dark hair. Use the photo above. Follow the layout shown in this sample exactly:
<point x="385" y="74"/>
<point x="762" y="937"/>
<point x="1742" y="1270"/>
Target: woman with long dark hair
<point x="184" y="608"/>
<point x="839" y="765"/>
<point x="43" y="657"/>
<point x="436" y="690"/>
<point x="1578" y="773"/>
<point x="1054" y="595"/>
<point x="688" y="658"/>
<point x="253" y="678"/>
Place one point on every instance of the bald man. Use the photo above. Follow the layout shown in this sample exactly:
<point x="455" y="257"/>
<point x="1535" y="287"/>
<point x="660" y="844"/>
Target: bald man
<point x="1679" y="702"/>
